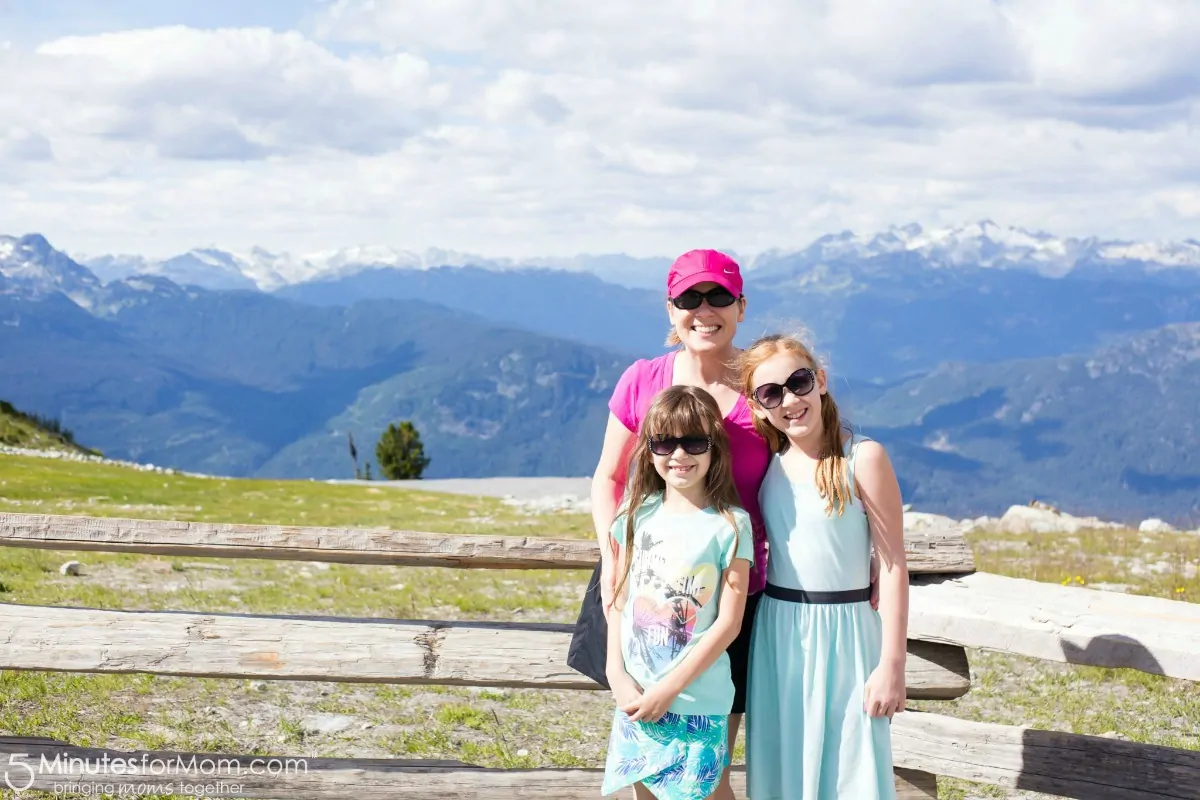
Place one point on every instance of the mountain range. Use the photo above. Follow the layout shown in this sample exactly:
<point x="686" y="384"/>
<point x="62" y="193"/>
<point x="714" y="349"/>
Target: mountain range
<point x="213" y="268"/>
<point x="982" y="244"/>
<point x="1054" y="368"/>
<point x="1117" y="426"/>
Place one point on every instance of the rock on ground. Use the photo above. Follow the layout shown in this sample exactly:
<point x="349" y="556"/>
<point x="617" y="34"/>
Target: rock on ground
<point x="71" y="455"/>
<point x="921" y="520"/>
<point x="326" y="723"/>
<point x="1028" y="519"/>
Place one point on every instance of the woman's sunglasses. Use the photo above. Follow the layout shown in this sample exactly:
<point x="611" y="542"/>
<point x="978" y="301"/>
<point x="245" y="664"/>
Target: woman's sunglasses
<point x="799" y="383"/>
<point x="719" y="297"/>
<point x="692" y="445"/>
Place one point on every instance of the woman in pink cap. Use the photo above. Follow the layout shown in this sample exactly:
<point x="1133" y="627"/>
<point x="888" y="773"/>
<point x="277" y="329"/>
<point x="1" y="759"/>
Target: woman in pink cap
<point x="704" y="304"/>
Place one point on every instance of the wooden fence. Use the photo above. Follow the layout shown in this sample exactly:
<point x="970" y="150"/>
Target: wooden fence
<point x="952" y="607"/>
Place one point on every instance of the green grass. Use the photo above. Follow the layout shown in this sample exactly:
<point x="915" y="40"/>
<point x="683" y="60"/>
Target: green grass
<point x="500" y="728"/>
<point x="1158" y="565"/>
<point x="18" y="429"/>
<point x="48" y="486"/>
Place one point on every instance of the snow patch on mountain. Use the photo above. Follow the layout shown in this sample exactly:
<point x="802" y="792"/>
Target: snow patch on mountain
<point x="31" y="267"/>
<point x="1162" y="255"/>
<point x="985" y="244"/>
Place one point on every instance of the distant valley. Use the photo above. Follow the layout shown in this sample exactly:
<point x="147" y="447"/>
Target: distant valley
<point x="1009" y="377"/>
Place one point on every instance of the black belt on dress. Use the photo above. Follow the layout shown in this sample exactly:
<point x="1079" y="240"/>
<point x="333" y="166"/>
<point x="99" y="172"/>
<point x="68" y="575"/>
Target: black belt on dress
<point x="802" y="596"/>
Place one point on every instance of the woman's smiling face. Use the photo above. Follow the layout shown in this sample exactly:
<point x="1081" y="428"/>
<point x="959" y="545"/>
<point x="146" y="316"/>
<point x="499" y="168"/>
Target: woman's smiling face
<point x="707" y="327"/>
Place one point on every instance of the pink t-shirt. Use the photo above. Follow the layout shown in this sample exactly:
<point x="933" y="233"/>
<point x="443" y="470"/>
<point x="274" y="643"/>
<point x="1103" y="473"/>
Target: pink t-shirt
<point x="630" y="401"/>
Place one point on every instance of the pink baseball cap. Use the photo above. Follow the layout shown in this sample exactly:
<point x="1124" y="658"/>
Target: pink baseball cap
<point x="699" y="266"/>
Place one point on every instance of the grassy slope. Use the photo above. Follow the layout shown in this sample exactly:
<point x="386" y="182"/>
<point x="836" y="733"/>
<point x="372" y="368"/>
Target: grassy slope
<point x="499" y="728"/>
<point x="20" y="430"/>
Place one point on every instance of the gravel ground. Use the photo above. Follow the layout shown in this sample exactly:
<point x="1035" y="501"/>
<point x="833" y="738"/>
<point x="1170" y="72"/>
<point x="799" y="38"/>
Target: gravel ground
<point x="516" y="488"/>
<point x="535" y="495"/>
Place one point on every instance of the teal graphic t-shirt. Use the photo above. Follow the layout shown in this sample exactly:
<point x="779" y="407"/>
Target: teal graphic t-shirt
<point x="673" y="596"/>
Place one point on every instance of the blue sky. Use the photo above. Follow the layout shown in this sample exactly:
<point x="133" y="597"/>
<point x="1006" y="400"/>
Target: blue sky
<point x="40" y="20"/>
<point x="554" y="128"/>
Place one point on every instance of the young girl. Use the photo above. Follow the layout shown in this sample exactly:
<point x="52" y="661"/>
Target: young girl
<point x="686" y="549"/>
<point x="826" y="673"/>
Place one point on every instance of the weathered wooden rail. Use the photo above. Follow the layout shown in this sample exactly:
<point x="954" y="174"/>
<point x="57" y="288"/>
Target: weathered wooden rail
<point x="952" y="607"/>
<point x="357" y="778"/>
<point x="932" y="551"/>
<point x="499" y="654"/>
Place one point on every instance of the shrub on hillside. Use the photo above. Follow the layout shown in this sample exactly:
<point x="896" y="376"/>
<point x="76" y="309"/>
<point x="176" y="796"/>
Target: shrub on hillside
<point x="400" y="454"/>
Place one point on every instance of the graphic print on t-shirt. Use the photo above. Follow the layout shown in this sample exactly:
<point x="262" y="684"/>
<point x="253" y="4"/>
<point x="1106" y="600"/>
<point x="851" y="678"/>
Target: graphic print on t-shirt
<point x="668" y="597"/>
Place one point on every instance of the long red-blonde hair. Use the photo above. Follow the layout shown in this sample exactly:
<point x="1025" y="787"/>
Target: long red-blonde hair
<point x="831" y="478"/>
<point x="679" y="411"/>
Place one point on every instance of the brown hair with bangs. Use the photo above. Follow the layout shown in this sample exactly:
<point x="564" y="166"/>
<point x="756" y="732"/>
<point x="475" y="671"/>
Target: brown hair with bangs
<point x="679" y="411"/>
<point x="831" y="479"/>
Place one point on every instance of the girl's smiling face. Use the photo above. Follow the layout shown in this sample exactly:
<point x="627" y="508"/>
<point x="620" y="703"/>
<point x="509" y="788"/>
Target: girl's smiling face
<point x="797" y="416"/>
<point x="680" y="469"/>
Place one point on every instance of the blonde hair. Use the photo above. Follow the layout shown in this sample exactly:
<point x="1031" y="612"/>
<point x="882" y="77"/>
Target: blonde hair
<point x="832" y="481"/>
<point x="679" y="411"/>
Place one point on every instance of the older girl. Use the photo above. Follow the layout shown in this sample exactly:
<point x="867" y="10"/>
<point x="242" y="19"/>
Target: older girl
<point x="826" y="672"/>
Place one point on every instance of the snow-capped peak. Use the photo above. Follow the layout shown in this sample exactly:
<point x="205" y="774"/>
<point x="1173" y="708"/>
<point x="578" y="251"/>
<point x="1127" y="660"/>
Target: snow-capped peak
<point x="986" y="244"/>
<point x="1154" y="254"/>
<point x="32" y="266"/>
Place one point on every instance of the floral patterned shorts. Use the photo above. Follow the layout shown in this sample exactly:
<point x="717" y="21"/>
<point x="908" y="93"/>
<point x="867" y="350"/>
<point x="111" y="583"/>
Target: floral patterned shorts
<point x="677" y="758"/>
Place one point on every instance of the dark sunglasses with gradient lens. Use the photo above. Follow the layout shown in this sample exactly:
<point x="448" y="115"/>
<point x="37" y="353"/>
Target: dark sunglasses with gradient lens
<point x="799" y="383"/>
<point x="692" y="445"/>
<point x="719" y="297"/>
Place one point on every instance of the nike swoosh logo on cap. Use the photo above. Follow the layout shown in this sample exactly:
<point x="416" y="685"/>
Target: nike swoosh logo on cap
<point x="728" y="272"/>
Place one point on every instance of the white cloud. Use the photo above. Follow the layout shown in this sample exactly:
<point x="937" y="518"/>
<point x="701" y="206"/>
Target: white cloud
<point x="19" y="144"/>
<point x="228" y="94"/>
<point x="517" y="96"/>
<point x="551" y="126"/>
<point x="1140" y="53"/>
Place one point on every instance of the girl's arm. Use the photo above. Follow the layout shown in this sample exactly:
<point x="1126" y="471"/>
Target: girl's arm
<point x="657" y="700"/>
<point x="880" y="492"/>
<point x="624" y="688"/>
<point x="608" y="484"/>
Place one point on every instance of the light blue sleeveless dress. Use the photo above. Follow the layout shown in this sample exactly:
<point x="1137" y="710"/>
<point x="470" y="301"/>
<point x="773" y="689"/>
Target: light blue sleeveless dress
<point x="807" y="735"/>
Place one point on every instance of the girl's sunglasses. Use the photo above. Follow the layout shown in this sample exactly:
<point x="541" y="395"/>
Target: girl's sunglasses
<point x="692" y="445"/>
<point x="799" y="383"/>
<point x="719" y="297"/>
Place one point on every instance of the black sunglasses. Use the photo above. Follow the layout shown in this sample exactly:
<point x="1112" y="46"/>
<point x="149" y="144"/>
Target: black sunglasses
<point x="718" y="297"/>
<point x="799" y="383"/>
<point x="692" y="445"/>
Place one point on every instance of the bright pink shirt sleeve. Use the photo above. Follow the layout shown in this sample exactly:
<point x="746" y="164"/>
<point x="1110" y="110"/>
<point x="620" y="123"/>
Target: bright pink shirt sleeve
<point x="635" y="390"/>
